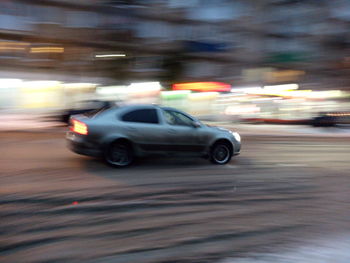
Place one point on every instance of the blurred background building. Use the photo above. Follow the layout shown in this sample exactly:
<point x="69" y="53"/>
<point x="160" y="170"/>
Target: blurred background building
<point x="177" y="40"/>
<point x="117" y="42"/>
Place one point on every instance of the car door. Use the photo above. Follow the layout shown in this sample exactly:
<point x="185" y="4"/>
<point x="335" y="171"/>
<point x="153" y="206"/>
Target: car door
<point x="144" y="128"/>
<point x="182" y="135"/>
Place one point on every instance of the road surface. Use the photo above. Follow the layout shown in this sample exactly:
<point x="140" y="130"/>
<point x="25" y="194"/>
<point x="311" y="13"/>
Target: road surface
<point x="280" y="195"/>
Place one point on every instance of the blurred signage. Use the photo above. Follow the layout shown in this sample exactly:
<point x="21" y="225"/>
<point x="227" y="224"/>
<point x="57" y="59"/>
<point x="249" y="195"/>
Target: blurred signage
<point x="41" y="94"/>
<point x="203" y="86"/>
<point x="255" y="74"/>
<point x="284" y="75"/>
<point x="271" y="75"/>
<point x="195" y="46"/>
<point x="287" y="57"/>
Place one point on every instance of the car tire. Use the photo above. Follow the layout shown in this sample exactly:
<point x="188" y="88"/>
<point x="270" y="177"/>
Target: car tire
<point x="221" y="153"/>
<point x="119" y="154"/>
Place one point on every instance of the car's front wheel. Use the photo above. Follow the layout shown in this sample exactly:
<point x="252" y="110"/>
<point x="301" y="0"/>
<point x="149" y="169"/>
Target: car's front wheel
<point x="221" y="153"/>
<point x="119" y="154"/>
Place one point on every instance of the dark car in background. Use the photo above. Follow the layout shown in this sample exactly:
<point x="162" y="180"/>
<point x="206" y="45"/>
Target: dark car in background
<point x="123" y="133"/>
<point x="331" y="119"/>
<point x="85" y="107"/>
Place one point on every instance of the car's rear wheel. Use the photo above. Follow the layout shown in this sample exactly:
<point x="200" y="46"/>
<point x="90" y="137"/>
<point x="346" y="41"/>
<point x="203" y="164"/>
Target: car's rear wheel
<point x="119" y="154"/>
<point x="221" y="153"/>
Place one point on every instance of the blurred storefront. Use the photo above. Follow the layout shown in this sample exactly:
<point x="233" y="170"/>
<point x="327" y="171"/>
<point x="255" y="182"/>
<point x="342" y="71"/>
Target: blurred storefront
<point x="61" y="52"/>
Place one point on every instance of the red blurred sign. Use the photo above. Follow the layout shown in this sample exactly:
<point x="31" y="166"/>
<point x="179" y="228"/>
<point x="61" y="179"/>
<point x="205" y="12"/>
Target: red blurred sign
<point x="203" y="86"/>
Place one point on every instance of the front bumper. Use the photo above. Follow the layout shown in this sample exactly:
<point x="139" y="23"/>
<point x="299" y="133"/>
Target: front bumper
<point x="237" y="149"/>
<point x="78" y="144"/>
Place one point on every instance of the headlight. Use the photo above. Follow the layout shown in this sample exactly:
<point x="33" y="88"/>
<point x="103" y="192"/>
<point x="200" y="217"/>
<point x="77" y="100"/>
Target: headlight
<point x="237" y="136"/>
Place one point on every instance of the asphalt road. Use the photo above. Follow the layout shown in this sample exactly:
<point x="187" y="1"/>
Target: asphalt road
<point x="279" y="195"/>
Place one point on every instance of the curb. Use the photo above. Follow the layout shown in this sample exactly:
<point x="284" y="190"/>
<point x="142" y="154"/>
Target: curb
<point x="278" y="121"/>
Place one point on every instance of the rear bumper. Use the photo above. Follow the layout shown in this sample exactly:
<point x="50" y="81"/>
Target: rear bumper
<point x="78" y="145"/>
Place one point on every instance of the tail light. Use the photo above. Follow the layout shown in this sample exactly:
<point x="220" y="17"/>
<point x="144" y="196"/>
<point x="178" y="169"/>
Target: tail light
<point x="79" y="127"/>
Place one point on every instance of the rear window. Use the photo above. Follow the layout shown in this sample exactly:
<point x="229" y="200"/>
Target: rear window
<point x="141" y="116"/>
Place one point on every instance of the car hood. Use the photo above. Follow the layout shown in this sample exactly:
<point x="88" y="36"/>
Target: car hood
<point x="217" y="128"/>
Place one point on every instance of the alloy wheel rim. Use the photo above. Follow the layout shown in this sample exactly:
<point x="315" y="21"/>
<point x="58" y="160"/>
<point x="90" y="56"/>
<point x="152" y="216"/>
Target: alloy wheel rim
<point x="119" y="155"/>
<point x="221" y="154"/>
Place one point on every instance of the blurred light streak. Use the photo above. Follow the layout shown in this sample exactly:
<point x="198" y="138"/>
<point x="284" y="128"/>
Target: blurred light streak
<point x="79" y="86"/>
<point x="203" y="96"/>
<point x="110" y="55"/>
<point x="326" y="94"/>
<point x="282" y="87"/>
<point x="241" y="109"/>
<point x="41" y="84"/>
<point x="46" y="50"/>
<point x="246" y="89"/>
<point x="203" y="86"/>
<point x="176" y="94"/>
<point x="8" y="43"/>
<point x="41" y="94"/>
<point x="9" y="83"/>
<point x="143" y="85"/>
<point x="111" y="90"/>
<point x="338" y="114"/>
<point x="144" y="88"/>
<point x="12" y="48"/>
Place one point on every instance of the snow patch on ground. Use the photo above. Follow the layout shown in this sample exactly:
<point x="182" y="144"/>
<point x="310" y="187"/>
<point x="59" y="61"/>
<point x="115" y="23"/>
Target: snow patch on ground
<point x="335" y="250"/>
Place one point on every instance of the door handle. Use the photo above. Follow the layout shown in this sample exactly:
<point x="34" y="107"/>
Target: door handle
<point x="131" y="128"/>
<point x="172" y="131"/>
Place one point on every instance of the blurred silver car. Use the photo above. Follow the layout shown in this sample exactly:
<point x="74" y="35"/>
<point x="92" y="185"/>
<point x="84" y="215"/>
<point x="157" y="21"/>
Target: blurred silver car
<point x="121" y="134"/>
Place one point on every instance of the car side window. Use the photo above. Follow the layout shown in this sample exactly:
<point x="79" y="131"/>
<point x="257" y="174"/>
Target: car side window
<point x="177" y="118"/>
<point x="141" y="116"/>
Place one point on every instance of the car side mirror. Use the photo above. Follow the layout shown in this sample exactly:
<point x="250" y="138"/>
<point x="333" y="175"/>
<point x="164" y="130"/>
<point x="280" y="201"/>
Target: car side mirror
<point x="196" y="124"/>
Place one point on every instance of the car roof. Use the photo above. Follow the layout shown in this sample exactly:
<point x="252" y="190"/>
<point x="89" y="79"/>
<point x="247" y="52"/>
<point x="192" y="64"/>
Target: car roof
<point x="125" y="107"/>
<point x="170" y="108"/>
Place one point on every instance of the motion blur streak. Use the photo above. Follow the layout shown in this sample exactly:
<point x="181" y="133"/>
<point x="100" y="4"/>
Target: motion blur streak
<point x="332" y="249"/>
<point x="202" y="86"/>
<point x="265" y="204"/>
<point x="47" y="50"/>
<point x="110" y="55"/>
